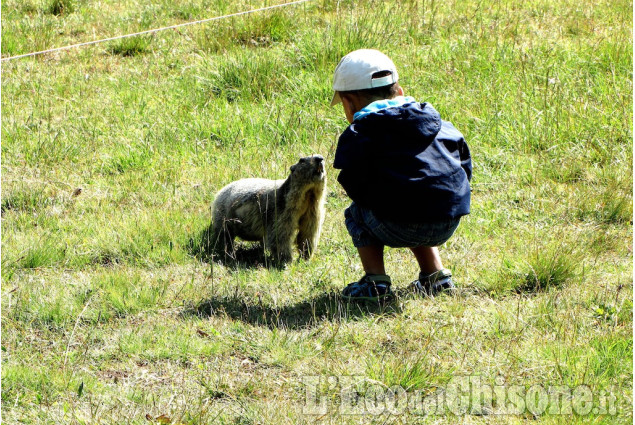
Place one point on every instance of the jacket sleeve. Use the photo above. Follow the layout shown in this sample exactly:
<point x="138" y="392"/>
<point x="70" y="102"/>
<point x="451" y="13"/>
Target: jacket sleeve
<point x="352" y="149"/>
<point x="466" y="158"/>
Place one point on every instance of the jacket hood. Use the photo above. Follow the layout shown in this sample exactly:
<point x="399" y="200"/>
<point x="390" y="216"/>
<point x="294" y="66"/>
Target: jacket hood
<point x="412" y="117"/>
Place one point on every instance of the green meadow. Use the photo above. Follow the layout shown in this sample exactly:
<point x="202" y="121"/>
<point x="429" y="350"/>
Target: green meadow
<point x="112" y="154"/>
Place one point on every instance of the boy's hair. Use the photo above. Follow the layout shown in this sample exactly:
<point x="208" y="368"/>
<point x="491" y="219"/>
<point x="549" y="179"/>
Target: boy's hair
<point x="377" y="93"/>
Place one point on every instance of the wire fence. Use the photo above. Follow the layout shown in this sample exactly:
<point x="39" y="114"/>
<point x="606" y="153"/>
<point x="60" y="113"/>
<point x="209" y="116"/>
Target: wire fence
<point x="152" y="31"/>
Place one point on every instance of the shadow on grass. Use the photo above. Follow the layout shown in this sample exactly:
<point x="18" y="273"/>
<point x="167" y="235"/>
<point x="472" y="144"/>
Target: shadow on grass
<point x="245" y="256"/>
<point x="307" y="313"/>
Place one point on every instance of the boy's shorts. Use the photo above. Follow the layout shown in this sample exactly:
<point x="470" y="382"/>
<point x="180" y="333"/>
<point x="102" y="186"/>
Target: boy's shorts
<point x="366" y="229"/>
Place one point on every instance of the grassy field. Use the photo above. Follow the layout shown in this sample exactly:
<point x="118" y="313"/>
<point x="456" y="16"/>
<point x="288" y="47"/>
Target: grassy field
<point x="111" y="156"/>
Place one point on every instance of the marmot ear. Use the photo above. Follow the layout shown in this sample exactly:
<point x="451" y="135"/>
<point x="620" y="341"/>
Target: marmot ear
<point x="293" y="167"/>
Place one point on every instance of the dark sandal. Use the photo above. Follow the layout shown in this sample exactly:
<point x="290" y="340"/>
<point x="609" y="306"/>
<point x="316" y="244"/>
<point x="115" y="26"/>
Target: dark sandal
<point x="434" y="283"/>
<point x="371" y="287"/>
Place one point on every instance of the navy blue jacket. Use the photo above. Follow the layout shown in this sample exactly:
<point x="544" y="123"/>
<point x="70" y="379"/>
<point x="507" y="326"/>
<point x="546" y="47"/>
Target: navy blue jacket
<point x="406" y="164"/>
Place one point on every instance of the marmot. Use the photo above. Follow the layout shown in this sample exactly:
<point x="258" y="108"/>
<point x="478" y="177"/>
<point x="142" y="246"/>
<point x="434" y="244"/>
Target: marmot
<point x="280" y="213"/>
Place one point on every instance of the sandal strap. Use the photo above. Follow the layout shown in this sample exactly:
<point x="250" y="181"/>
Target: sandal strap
<point x="377" y="278"/>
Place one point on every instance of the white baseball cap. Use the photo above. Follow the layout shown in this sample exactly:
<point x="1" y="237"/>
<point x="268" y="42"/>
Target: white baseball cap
<point x="355" y="72"/>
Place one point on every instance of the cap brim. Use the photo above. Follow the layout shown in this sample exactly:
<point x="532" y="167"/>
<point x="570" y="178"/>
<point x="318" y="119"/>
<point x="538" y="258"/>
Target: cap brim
<point x="336" y="99"/>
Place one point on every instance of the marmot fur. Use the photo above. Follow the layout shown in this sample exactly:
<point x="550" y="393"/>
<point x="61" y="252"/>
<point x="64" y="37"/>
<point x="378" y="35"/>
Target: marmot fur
<point x="280" y="213"/>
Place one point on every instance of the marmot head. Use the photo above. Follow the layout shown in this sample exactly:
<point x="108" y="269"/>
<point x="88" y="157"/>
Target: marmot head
<point x="309" y="169"/>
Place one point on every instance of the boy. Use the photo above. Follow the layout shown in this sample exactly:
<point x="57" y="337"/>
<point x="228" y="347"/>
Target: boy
<point x="406" y="171"/>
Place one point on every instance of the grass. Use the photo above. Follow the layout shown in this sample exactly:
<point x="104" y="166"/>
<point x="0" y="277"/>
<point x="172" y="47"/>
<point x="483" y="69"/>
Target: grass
<point x="109" y="315"/>
<point x="61" y="7"/>
<point x="130" y="46"/>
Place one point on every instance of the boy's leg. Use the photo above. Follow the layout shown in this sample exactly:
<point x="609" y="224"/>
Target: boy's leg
<point x="428" y="258"/>
<point x="372" y="257"/>
<point x="433" y="278"/>
<point x="374" y="285"/>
